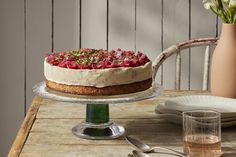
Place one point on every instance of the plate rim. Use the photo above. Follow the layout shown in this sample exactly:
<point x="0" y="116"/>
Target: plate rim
<point x="183" y="107"/>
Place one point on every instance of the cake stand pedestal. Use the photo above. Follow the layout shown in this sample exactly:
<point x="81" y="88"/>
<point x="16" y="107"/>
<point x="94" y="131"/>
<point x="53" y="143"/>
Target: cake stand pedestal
<point x="97" y="124"/>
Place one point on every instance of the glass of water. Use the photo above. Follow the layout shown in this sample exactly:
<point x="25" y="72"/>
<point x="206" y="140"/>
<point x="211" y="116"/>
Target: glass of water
<point x="202" y="133"/>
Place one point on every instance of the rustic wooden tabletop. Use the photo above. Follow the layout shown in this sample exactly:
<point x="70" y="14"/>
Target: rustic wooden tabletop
<point x="46" y="130"/>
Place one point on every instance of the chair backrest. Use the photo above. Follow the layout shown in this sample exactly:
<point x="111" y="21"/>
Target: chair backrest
<point x="177" y="49"/>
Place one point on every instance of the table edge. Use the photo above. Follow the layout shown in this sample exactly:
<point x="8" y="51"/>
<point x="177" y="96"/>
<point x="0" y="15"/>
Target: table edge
<point x="25" y="128"/>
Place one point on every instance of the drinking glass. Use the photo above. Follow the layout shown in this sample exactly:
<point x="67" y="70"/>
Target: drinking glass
<point x="202" y="133"/>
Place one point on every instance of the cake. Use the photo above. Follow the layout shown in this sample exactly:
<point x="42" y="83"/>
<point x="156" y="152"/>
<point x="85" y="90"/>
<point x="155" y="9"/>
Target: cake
<point x="98" y="72"/>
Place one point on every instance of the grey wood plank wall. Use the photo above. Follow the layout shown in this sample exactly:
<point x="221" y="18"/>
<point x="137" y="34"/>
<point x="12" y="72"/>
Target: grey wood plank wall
<point x="31" y="28"/>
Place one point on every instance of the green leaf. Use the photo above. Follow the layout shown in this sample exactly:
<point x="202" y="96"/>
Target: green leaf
<point x="220" y="4"/>
<point x="85" y="61"/>
<point x="75" y="53"/>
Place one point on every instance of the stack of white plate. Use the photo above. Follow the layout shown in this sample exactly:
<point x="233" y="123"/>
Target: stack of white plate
<point x="171" y="110"/>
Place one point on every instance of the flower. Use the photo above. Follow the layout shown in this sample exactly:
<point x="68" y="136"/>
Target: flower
<point x="224" y="9"/>
<point x="208" y="5"/>
<point x="232" y="4"/>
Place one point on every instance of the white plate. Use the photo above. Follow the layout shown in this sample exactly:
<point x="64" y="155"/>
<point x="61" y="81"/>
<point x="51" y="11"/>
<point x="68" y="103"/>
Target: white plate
<point x="226" y="106"/>
<point x="177" y="119"/>
<point x="162" y="109"/>
<point x="172" y="109"/>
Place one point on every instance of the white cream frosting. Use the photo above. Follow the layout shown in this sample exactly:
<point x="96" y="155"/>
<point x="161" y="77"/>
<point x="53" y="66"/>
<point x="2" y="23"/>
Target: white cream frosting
<point x="97" y="77"/>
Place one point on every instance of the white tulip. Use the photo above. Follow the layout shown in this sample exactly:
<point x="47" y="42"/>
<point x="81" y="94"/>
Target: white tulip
<point x="208" y="5"/>
<point x="232" y="4"/>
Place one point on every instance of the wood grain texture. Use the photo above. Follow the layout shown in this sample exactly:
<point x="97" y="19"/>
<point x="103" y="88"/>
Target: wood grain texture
<point x="25" y="128"/>
<point x="94" y="14"/>
<point x="175" y="29"/>
<point x="200" y="27"/>
<point x="38" y="41"/>
<point x="12" y="62"/>
<point x="50" y="135"/>
<point x="121" y="24"/>
<point x="66" y="25"/>
<point x="148" y="29"/>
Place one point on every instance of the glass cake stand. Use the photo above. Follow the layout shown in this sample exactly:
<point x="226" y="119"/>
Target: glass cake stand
<point x="97" y="124"/>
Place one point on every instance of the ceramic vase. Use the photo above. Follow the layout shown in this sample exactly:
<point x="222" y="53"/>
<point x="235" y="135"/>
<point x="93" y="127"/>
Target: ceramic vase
<point x="223" y="67"/>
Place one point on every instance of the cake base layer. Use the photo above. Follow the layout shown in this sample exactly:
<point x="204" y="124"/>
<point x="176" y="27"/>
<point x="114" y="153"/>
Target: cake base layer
<point x="110" y="90"/>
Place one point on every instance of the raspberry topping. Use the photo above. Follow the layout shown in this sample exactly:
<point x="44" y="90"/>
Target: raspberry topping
<point x="97" y="59"/>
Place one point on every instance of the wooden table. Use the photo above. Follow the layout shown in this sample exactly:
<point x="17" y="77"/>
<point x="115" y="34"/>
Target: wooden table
<point x="46" y="130"/>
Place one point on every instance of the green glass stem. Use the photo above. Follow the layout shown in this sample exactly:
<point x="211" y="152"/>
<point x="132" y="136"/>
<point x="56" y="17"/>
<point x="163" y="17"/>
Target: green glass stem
<point x="97" y="113"/>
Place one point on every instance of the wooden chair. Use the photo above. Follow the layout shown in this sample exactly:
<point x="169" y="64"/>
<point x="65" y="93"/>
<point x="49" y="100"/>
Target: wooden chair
<point x="177" y="49"/>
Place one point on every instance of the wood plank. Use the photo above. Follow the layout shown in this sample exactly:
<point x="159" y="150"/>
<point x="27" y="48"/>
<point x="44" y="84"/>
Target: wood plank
<point x="38" y="41"/>
<point x="94" y="16"/>
<point x="25" y="128"/>
<point x="86" y="151"/>
<point x="74" y="151"/>
<point x="58" y="131"/>
<point x="79" y="151"/>
<point x="12" y="71"/>
<point x="66" y="25"/>
<point x="121" y="24"/>
<point x="200" y="27"/>
<point x="175" y="29"/>
<point x="70" y="110"/>
<point x="64" y="125"/>
<point x="148" y="29"/>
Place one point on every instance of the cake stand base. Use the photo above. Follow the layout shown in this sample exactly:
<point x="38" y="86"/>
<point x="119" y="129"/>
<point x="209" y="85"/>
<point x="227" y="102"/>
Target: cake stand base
<point x="98" y="125"/>
<point x="104" y="131"/>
